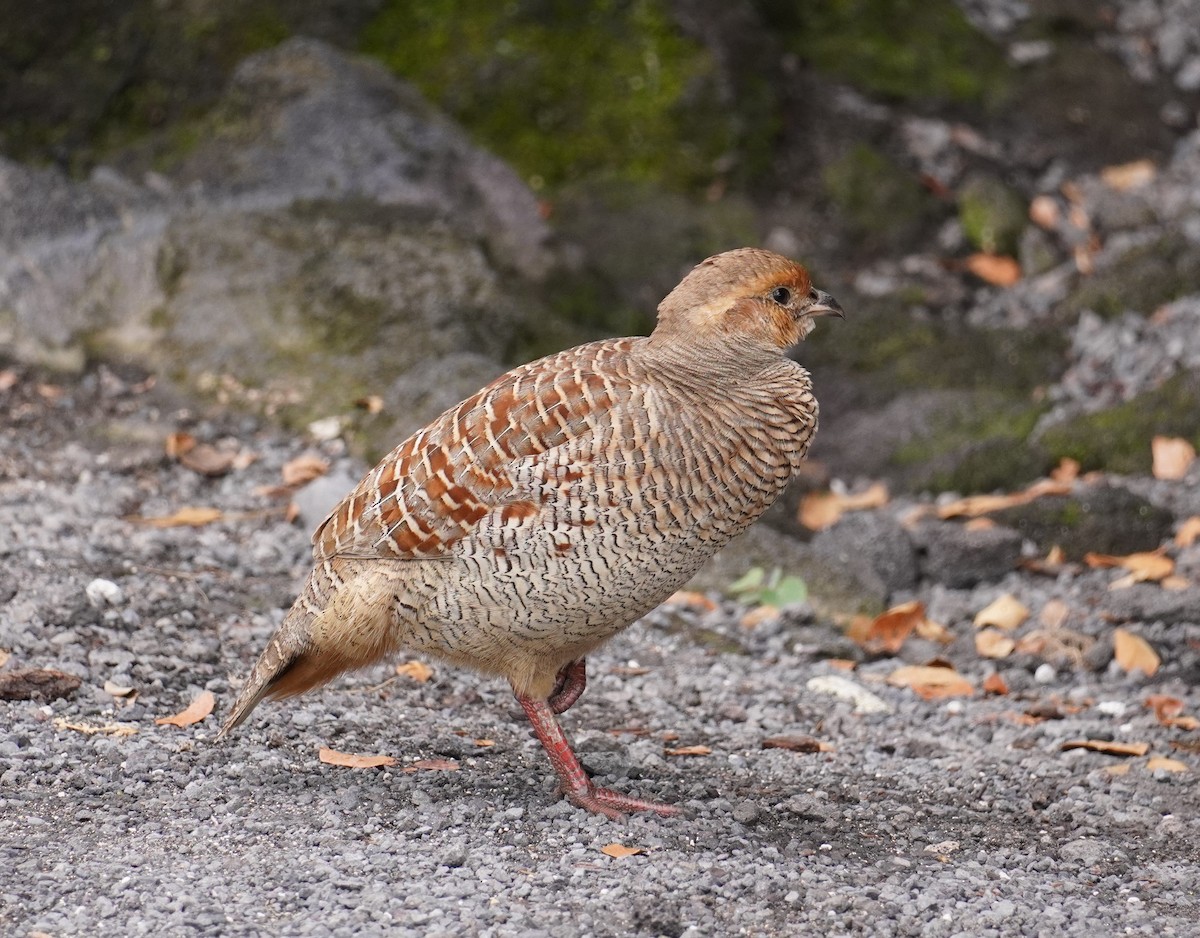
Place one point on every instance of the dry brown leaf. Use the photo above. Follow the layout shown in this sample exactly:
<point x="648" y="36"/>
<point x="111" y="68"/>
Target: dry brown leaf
<point x="891" y="629"/>
<point x="1166" y="765"/>
<point x="974" y="505"/>
<point x="1120" y="768"/>
<point x="4" y="656"/>
<point x="196" y="711"/>
<point x="1054" y="614"/>
<point x="796" y="743"/>
<point x="1051" y="565"/>
<point x="842" y="664"/>
<point x="992" y="643"/>
<point x="1175" y="583"/>
<point x="108" y="729"/>
<point x="628" y="670"/>
<point x="980" y="524"/>
<point x="1125" y="176"/>
<point x="419" y="671"/>
<point x="617" y="851"/>
<point x="1006" y="612"/>
<point x="1044" y="212"/>
<point x="8" y="378"/>
<point x="1133" y="653"/>
<point x="1067" y="470"/>
<point x="179" y="443"/>
<point x="1189" y="532"/>
<point x="758" y="615"/>
<point x="484" y="743"/>
<point x="931" y="682"/>
<point x="1172" y="456"/>
<point x="996" y="269"/>
<point x="1107" y="746"/>
<point x="206" y="460"/>
<point x="1169" y="712"/>
<point x="994" y="683"/>
<point x="1147" y="565"/>
<point x="371" y="403"/>
<point x="691" y="598"/>
<point x="820" y="510"/>
<point x="352" y="760"/>
<point x="934" y="631"/>
<point x="303" y="469"/>
<point x="690" y="751"/>
<point x="192" y="517"/>
<point x="117" y="690"/>
<point x="432" y="765"/>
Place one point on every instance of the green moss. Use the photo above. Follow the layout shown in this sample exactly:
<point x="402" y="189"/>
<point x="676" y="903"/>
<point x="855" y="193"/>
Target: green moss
<point x="1118" y="439"/>
<point x="904" y="49"/>
<point x="878" y="201"/>
<point x="992" y="215"/>
<point x="1141" y="279"/>
<point x="564" y="89"/>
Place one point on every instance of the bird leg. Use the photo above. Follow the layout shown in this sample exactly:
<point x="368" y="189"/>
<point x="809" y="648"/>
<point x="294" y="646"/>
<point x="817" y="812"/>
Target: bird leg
<point x="573" y="781"/>
<point x="568" y="685"/>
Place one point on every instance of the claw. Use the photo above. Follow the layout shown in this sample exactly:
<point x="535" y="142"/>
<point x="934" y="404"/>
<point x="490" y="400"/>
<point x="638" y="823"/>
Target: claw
<point x="569" y="685"/>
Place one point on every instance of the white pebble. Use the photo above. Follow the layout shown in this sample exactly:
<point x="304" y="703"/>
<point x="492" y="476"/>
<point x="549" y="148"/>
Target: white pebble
<point x="1112" y="708"/>
<point x="864" y="701"/>
<point x="1045" y="674"/>
<point x="102" y="592"/>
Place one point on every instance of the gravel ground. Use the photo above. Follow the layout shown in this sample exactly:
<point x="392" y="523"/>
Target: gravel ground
<point x="944" y="817"/>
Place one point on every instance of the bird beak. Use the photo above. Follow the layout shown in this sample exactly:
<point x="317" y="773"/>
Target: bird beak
<point x="826" y="305"/>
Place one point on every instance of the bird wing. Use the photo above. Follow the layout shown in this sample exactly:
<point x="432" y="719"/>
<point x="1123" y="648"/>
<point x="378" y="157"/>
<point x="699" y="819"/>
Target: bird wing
<point x="436" y="487"/>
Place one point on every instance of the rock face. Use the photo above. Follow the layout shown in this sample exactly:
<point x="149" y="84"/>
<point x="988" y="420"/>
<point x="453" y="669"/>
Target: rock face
<point x="326" y="232"/>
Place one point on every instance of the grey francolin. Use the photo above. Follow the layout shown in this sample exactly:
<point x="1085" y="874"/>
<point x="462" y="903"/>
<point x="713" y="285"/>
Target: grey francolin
<point x="526" y="526"/>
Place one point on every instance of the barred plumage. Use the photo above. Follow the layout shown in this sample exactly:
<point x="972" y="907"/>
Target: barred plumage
<point x="527" y="525"/>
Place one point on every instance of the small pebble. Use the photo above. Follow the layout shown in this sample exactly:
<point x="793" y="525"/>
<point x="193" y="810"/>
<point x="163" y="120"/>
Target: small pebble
<point x="101" y="592"/>
<point x="1045" y="674"/>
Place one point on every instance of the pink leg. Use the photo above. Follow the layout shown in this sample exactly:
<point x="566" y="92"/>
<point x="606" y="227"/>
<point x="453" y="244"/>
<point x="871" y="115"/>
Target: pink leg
<point x="575" y="784"/>
<point x="570" y="683"/>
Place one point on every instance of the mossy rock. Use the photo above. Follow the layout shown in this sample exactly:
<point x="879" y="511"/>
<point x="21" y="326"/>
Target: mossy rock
<point x="1104" y="519"/>
<point x="1142" y="279"/>
<point x="880" y="203"/>
<point x="992" y="214"/>
<point x="1118" y="439"/>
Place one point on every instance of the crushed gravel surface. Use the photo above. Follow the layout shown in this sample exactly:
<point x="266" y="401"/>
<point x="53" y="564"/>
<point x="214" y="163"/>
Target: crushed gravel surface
<point x="958" y="816"/>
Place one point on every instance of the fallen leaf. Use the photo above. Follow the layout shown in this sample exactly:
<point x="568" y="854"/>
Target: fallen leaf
<point x="206" y="460"/>
<point x="1054" y="614"/>
<point x="981" y="523"/>
<point x="419" y="671"/>
<point x="1107" y="746"/>
<point x="1169" y="712"/>
<point x="1044" y="212"/>
<point x="108" y="729"/>
<point x="1134" y="653"/>
<point x="8" y="378"/>
<point x="931" y="682"/>
<point x="179" y="443"/>
<point x="37" y="684"/>
<point x="617" y="851"/>
<point x="1162" y="763"/>
<point x="820" y="510"/>
<point x="371" y="403"/>
<point x="1005" y="612"/>
<point x="995" y="684"/>
<point x="4" y="656"/>
<point x="890" y="629"/>
<point x="691" y="598"/>
<point x="1067" y="470"/>
<point x="974" y="505"/>
<point x="934" y="631"/>
<point x="842" y="664"/>
<point x="484" y="743"/>
<point x="1120" y="768"/>
<point x="1175" y="583"/>
<point x="1189" y="532"/>
<point x="1051" y="565"/>
<point x="184" y="517"/>
<point x="629" y="670"/>
<point x="690" y="751"/>
<point x="1125" y="176"/>
<point x="51" y="392"/>
<point x="796" y="744"/>
<point x="351" y="760"/>
<point x="303" y="469"/>
<point x="117" y="690"/>
<point x="757" y="616"/>
<point x="996" y="269"/>
<point x="992" y="643"/>
<point x="196" y="711"/>
<point x="432" y="765"/>
<point x="1172" y="456"/>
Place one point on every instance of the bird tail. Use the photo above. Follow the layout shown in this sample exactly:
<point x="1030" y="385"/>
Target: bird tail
<point x="344" y="619"/>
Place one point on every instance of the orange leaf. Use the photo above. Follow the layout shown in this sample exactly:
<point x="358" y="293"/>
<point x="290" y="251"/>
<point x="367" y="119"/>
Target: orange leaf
<point x="432" y="765"/>
<point x="1168" y="711"/>
<point x="304" y="469"/>
<point x="820" y="510"/>
<point x="1148" y="565"/>
<point x="992" y="643"/>
<point x="484" y="743"/>
<point x="931" y="682"/>
<point x="796" y="744"/>
<point x="1172" y="457"/>
<point x="690" y="751"/>
<point x="1134" y="653"/>
<point x="206" y="460"/>
<point x="996" y="269"/>
<point x="419" y="671"/>
<point x="1166" y="765"/>
<point x="842" y="664"/>
<point x="196" y="711"/>
<point x="890" y="629"/>
<point x="617" y="851"/>
<point x="351" y="760"/>
<point x="1054" y="614"/>
<point x="1189" y="532"/>
<point x="1129" y="175"/>
<point x="690" y="598"/>
<point x="371" y="403"/>
<point x="184" y="517"/>
<point x="1108" y="747"/>
<point x="179" y="443"/>
<point x="995" y="684"/>
<point x="1044" y="212"/>
<point x="975" y="505"/>
<point x="1067" y="470"/>
<point x="1006" y="612"/>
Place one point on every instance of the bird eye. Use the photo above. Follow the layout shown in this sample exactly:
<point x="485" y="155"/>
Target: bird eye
<point x="781" y="295"/>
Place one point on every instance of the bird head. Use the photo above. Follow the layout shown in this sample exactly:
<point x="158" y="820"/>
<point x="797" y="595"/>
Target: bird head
<point x="748" y="300"/>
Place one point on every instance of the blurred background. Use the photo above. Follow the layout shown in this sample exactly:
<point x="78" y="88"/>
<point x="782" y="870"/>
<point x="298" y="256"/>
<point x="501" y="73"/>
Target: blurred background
<point x="289" y="208"/>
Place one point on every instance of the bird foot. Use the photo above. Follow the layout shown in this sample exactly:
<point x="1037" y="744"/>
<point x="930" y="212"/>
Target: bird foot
<point x="614" y="805"/>
<point x="569" y="684"/>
